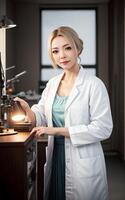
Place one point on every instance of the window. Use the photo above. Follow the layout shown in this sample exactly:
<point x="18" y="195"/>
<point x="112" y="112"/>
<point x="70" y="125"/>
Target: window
<point x="84" y="22"/>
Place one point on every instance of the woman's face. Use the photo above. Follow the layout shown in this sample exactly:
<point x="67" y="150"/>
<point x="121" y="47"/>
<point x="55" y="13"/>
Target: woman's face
<point x="64" y="53"/>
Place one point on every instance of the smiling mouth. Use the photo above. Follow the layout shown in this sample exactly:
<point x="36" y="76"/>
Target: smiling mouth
<point x="65" y="62"/>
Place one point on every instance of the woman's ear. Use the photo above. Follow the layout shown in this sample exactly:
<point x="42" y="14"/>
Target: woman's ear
<point x="79" y="52"/>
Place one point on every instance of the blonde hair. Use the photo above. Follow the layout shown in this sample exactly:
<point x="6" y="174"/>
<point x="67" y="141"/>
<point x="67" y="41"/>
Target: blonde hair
<point x="70" y="34"/>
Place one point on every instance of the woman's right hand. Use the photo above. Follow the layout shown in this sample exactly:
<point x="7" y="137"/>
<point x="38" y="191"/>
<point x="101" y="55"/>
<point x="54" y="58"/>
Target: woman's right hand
<point x="23" y="103"/>
<point x="25" y="106"/>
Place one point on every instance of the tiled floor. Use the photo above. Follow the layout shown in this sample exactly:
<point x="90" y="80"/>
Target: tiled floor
<point x="116" y="177"/>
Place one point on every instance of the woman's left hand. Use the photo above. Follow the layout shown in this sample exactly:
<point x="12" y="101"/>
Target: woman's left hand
<point x="41" y="130"/>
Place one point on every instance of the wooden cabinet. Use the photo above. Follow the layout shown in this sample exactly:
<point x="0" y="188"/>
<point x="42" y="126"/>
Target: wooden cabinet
<point x="18" y="167"/>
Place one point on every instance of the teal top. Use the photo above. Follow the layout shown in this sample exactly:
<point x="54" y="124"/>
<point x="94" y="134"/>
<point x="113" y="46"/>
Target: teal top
<point x="58" y="111"/>
<point x="57" y="181"/>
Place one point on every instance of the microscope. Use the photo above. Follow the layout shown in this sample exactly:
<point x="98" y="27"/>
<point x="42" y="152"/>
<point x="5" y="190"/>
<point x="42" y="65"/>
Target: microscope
<point x="5" y="106"/>
<point x="12" y="116"/>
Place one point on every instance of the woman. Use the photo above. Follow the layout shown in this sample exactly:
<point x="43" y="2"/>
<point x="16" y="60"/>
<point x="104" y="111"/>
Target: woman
<point x="74" y="111"/>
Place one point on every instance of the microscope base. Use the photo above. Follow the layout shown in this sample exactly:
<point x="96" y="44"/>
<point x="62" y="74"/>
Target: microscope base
<point x="8" y="132"/>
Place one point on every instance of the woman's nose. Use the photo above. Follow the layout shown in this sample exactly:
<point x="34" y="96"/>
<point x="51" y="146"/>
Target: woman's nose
<point x="62" y="54"/>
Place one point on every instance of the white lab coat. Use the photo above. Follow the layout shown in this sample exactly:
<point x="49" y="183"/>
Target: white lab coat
<point x="88" y="118"/>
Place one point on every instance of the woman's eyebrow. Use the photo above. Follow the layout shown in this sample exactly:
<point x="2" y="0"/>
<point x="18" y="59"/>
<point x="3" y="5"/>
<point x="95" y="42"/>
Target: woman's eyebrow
<point x="54" y="47"/>
<point x="66" y="45"/>
<point x="63" y="46"/>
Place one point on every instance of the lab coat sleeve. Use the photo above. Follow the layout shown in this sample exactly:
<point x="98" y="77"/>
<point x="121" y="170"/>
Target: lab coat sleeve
<point x="39" y="109"/>
<point x="100" y="126"/>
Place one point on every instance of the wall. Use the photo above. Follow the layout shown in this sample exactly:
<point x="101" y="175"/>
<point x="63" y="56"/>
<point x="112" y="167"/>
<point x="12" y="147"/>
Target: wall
<point x="27" y="45"/>
<point x="116" y="71"/>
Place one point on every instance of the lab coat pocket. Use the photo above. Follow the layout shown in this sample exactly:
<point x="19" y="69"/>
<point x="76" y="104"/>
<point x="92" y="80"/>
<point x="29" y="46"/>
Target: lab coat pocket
<point x="88" y="167"/>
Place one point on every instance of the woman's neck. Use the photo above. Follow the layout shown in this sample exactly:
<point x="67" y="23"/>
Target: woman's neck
<point x="70" y="75"/>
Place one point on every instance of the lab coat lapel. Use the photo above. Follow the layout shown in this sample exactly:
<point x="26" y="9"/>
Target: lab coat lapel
<point x="74" y="93"/>
<point x="54" y="89"/>
<point x="76" y="88"/>
<point x="51" y="97"/>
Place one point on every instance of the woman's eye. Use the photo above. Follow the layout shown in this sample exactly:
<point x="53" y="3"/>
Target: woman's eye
<point x="68" y="48"/>
<point x="55" y="52"/>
